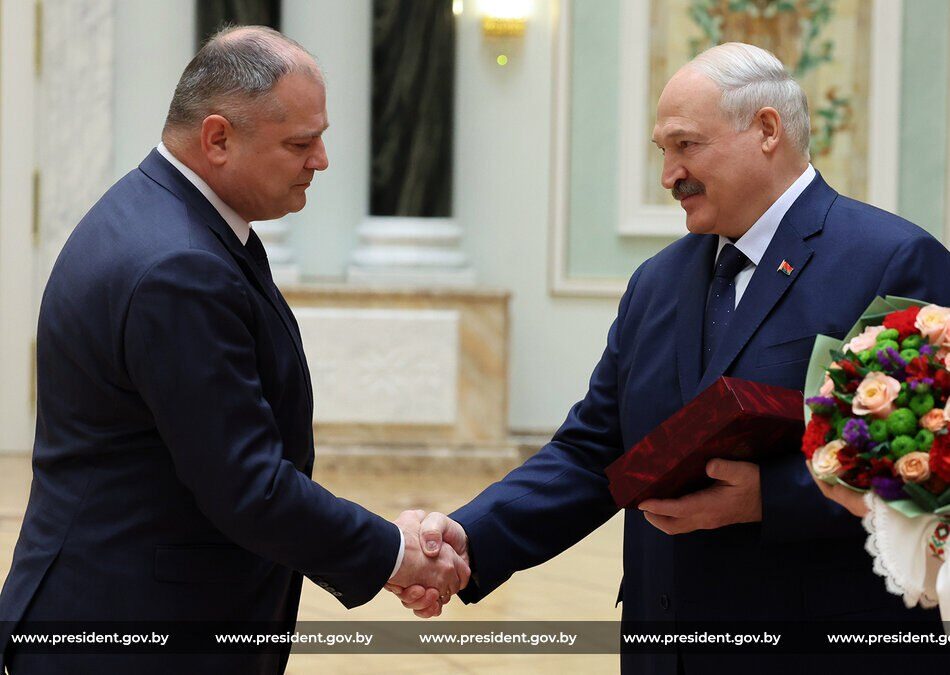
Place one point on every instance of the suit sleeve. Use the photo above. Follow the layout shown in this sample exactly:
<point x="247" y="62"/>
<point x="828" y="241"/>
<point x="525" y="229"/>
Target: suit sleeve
<point x="190" y="352"/>
<point x="793" y="509"/>
<point x="559" y="495"/>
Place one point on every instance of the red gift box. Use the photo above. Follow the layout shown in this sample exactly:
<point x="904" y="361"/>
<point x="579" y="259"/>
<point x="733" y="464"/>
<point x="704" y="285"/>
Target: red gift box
<point x="733" y="419"/>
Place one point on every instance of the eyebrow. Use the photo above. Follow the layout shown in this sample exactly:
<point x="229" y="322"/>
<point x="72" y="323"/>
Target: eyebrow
<point x="309" y="134"/>
<point x="676" y="133"/>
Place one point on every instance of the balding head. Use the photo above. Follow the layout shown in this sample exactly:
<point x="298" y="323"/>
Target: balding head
<point x="233" y="75"/>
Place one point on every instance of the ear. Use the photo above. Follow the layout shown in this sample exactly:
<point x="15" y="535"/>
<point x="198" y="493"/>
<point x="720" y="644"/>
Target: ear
<point x="769" y="123"/>
<point x="216" y="133"/>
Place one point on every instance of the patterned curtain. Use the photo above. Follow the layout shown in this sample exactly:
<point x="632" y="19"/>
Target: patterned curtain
<point x="413" y="89"/>
<point x="213" y="14"/>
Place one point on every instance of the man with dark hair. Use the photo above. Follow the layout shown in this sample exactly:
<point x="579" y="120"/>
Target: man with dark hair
<point x="174" y="441"/>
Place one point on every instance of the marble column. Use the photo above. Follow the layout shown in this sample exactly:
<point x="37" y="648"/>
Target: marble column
<point x="74" y="118"/>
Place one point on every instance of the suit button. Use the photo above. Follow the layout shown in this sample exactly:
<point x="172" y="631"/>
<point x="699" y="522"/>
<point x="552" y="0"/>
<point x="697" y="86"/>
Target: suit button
<point x="665" y="601"/>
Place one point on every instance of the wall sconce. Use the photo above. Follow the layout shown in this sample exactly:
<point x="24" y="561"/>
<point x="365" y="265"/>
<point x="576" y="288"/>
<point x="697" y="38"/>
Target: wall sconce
<point x="503" y="24"/>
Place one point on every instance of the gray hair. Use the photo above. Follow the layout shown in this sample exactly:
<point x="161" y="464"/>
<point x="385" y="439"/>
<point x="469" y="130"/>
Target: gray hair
<point x="232" y="75"/>
<point x="752" y="78"/>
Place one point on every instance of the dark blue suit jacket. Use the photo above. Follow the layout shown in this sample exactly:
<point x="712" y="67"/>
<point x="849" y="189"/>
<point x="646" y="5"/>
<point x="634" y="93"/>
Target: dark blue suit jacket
<point x="174" y="442"/>
<point x="806" y="558"/>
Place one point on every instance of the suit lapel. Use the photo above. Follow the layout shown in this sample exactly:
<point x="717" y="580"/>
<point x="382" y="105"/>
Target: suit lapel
<point x="768" y="284"/>
<point x="160" y="170"/>
<point x="690" y="309"/>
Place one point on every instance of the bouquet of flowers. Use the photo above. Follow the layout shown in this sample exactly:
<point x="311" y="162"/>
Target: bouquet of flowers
<point x="880" y="418"/>
<point x="878" y="421"/>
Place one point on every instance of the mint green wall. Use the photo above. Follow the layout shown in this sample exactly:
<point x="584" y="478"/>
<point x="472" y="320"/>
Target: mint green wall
<point x="594" y="247"/>
<point x="924" y="114"/>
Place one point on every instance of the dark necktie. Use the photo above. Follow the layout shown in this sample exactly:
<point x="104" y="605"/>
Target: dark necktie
<point x="255" y="249"/>
<point x="721" y="303"/>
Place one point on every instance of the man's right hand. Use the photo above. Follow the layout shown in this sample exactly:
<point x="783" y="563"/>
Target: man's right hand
<point x="433" y="530"/>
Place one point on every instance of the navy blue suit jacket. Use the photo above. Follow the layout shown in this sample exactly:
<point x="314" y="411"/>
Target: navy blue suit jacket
<point x="174" y="442"/>
<point x="806" y="558"/>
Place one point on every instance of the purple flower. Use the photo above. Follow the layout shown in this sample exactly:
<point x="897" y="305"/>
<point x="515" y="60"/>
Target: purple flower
<point x="888" y="488"/>
<point x="926" y="350"/>
<point x="896" y="358"/>
<point x="855" y="432"/>
<point x="821" y="404"/>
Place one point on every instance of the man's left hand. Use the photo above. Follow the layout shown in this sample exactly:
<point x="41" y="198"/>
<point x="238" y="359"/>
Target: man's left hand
<point x="735" y="498"/>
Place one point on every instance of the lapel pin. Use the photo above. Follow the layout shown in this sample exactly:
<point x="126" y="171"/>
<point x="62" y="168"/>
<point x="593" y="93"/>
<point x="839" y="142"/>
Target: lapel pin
<point x="785" y="268"/>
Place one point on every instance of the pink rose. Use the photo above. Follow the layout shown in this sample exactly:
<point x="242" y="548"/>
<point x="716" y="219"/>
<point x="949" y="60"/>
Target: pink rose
<point x="875" y="395"/>
<point x="827" y="387"/>
<point x="914" y="467"/>
<point x="933" y="420"/>
<point x="825" y="462"/>
<point x="865" y="340"/>
<point x="946" y="411"/>
<point x="933" y="322"/>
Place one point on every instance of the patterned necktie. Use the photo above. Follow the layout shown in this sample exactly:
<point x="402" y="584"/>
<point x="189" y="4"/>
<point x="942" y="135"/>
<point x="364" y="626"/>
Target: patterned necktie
<point x="722" y="299"/>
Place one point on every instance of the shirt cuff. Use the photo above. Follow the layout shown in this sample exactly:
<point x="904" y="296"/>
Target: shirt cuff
<point x="402" y="551"/>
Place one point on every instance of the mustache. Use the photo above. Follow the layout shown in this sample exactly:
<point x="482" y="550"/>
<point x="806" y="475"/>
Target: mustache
<point x="686" y="188"/>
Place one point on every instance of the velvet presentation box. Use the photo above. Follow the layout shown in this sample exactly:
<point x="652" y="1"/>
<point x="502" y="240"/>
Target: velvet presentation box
<point x="733" y="419"/>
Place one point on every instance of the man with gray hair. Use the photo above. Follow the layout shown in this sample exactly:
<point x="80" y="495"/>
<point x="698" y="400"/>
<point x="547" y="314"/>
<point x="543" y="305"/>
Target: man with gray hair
<point x="773" y="257"/>
<point x="174" y="443"/>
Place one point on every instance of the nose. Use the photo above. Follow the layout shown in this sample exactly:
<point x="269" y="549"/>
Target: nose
<point x="673" y="170"/>
<point x="318" y="161"/>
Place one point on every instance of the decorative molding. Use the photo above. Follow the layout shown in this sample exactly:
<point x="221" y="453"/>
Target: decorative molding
<point x="884" y="101"/>
<point x="560" y="283"/>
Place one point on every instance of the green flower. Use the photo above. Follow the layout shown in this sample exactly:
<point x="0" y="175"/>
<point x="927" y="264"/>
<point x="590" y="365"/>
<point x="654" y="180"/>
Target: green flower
<point x="921" y="404"/>
<point x="888" y="335"/>
<point x="865" y="356"/>
<point x="883" y="345"/>
<point x="903" y="445"/>
<point x="903" y="398"/>
<point x="912" y="342"/>
<point x="924" y="440"/>
<point x="902" y="422"/>
<point x="878" y="431"/>
<point x="909" y="354"/>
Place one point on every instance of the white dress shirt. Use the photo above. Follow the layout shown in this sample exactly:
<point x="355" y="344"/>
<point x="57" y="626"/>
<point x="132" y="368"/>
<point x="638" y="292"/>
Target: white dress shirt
<point x="243" y="230"/>
<point x="757" y="239"/>
<point x="240" y="226"/>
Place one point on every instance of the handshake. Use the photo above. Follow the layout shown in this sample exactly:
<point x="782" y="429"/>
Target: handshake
<point x="430" y="573"/>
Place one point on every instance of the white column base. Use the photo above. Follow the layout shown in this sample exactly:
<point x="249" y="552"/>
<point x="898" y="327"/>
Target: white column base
<point x="399" y="251"/>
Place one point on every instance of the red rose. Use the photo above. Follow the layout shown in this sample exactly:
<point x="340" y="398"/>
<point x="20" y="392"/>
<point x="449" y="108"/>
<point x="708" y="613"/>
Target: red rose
<point x="918" y="368"/>
<point x="848" y="458"/>
<point x="940" y="456"/>
<point x="942" y="380"/>
<point x="859" y="476"/>
<point x="816" y="434"/>
<point x="903" y="321"/>
<point x="882" y="467"/>
<point x="848" y="367"/>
